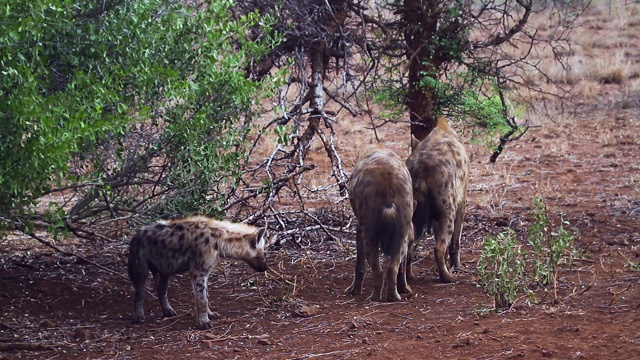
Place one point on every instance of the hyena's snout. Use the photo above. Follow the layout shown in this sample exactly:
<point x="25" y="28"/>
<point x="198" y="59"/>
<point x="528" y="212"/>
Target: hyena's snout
<point x="258" y="263"/>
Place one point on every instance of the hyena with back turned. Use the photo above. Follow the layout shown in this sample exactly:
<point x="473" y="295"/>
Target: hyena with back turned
<point x="382" y="201"/>
<point x="195" y="245"/>
<point x="439" y="167"/>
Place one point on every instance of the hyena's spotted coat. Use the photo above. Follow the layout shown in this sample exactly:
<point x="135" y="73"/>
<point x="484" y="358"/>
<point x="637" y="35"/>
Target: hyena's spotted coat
<point x="439" y="167"/>
<point x="192" y="244"/>
<point x="382" y="201"/>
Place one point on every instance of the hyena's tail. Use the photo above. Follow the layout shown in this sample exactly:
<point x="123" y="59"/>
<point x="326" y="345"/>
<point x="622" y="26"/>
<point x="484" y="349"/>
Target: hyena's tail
<point x="389" y="230"/>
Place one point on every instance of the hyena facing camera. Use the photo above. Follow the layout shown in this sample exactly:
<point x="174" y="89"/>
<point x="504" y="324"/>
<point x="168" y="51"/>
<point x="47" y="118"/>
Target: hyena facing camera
<point x="191" y="245"/>
<point x="382" y="201"/>
<point x="439" y="167"/>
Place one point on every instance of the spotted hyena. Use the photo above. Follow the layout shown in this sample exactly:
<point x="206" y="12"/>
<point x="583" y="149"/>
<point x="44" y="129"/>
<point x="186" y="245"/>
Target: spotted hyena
<point x="192" y="244"/>
<point x="382" y="201"/>
<point x="439" y="167"/>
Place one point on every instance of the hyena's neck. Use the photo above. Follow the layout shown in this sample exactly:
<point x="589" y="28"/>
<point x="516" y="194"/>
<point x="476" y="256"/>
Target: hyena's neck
<point x="443" y="124"/>
<point x="230" y="248"/>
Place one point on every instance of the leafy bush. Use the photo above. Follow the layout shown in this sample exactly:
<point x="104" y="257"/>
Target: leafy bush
<point x="505" y="270"/>
<point x="501" y="268"/>
<point x="132" y="109"/>
<point x="551" y="247"/>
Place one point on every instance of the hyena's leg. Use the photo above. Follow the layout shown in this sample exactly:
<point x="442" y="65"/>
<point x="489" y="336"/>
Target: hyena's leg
<point x="443" y="230"/>
<point x="419" y="223"/>
<point x="454" y="246"/>
<point x="199" y="283"/>
<point x="392" y="276"/>
<point x="139" y="276"/>
<point x="356" y="286"/>
<point x="161" y="287"/>
<point x="373" y="258"/>
<point x="403" y="287"/>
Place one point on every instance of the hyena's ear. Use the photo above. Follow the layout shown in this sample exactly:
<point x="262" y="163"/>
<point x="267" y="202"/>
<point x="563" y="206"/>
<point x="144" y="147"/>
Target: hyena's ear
<point x="414" y="142"/>
<point x="260" y="238"/>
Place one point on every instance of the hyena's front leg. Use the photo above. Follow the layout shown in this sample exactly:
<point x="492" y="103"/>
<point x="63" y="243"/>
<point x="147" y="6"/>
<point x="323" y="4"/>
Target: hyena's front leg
<point x="162" y="284"/>
<point x="356" y="286"/>
<point x="199" y="283"/>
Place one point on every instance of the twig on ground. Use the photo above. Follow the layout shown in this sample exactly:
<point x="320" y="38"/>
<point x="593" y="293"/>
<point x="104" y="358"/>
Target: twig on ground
<point x="24" y="346"/>
<point x="8" y="327"/>
<point x="225" y="338"/>
<point x="175" y="320"/>
<point x="64" y="252"/>
<point x="615" y="295"/>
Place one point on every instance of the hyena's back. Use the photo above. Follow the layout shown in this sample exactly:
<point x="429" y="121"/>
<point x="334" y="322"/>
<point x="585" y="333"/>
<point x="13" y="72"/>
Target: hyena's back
<point x="172" y="248"/>
<point x="193" y="244"/>
<point x="439" y="167"/>
<point x="382" y="201"/>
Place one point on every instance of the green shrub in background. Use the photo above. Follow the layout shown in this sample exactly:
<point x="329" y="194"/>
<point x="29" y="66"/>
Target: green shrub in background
<point x="131" y="108"/>
<point x="502" y="269"/>
<point x="506" y="271"/>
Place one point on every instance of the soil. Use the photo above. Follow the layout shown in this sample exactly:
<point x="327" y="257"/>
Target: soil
<point x="586" y="166"/>
<point x="55" y="306"/>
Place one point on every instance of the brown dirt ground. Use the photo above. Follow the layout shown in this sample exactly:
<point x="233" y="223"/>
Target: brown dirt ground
<point x="588" y="172"/>
<point x="586" y="166"/>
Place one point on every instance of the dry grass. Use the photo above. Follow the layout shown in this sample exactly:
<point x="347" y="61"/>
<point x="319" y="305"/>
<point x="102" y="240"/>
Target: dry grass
<point x="593" y="61"/>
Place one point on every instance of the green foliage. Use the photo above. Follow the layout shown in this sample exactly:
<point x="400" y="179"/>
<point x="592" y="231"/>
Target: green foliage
<point x="505" y="270"/>
<point x="282" y="133"/>
<point x="147" y="95"/>
<point x="391" y="98"/>
<point x="551" y="247"/>
<point x="501" y="268"/>
<point x="476" y="100"/>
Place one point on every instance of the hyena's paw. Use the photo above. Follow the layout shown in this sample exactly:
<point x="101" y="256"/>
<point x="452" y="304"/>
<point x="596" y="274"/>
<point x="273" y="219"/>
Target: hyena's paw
<point x="212" y="315"/>
<point x="137" y="318"/>
<point x="376" y="297"/>
<point x="169" y="312"/>
<point x="448" y="278"/>
<point x="204" y="325"/>
<point x="353" y="290"/>
<point x="405" y="290"/>
<point x="456" y="267"/>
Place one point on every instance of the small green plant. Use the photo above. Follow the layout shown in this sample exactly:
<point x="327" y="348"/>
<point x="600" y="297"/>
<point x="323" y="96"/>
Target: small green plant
<point x="501" y="268"/>
<point x="551" y="248"/>
<point x="505" y="270"/>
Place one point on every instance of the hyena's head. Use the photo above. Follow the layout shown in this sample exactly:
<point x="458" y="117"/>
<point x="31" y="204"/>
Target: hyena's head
<point x="257" y="243"/>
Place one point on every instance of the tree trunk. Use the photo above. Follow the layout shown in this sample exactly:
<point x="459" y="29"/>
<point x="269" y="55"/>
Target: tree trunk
<point x="319" y="55"/>
<point x="421" y="21"/>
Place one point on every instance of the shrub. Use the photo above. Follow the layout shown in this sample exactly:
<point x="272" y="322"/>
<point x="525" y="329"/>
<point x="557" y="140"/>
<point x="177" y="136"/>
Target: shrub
<point x="505" y="270"/>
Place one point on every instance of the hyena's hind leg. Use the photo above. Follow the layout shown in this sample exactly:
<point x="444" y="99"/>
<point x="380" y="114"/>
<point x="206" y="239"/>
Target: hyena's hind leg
<point x="403" y="286"/>
<point x="443" y="231"/>
<point x="361" y="267"/>
<point x="393" y="266"/>
<point x="373" y="258"/>
<point x="420" y="222"/>
<point x="162" y="284"/>
<point x="454" y="245"/>
<point x="139" y="276"/>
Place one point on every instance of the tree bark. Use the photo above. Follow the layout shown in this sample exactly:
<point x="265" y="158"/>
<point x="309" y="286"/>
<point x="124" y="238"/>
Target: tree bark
<point x="421" y="26"/>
